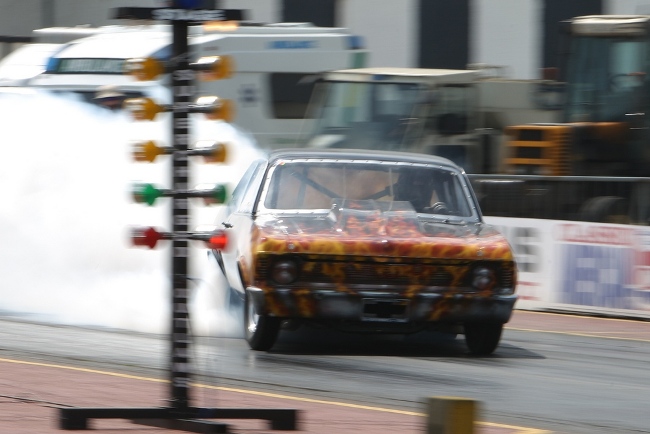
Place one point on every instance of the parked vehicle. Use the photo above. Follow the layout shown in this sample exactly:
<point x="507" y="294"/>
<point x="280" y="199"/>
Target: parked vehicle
<point x="25" y="63"/>
<point x="603" y="134"/>
<point x="273" y="67"/>
<point x="591" y="123"/>
<point x="456" y="114"/>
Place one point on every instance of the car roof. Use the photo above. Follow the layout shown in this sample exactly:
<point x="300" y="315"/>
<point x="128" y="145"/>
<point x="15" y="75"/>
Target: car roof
<point x="361" y="154"/>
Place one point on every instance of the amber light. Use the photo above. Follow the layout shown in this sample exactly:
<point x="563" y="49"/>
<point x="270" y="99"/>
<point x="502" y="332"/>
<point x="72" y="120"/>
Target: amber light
<point x="147" y="151"/>
<point x="143" y="109"/>
<point x="215" y="108"/>
<point x="221" y="26"/>
<point x="144" y="69"/>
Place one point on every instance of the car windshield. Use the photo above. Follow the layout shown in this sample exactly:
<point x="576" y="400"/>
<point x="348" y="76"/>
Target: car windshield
<point x="607" y="79"/>
<point x="318" y="184"/>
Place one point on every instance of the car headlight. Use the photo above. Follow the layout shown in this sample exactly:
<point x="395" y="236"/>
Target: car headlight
<point x="284" y="271"/>
<point x="483" y="278"/>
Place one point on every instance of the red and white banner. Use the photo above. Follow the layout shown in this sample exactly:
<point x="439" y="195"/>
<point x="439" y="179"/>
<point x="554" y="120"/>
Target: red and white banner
<point x="586" y="267"/>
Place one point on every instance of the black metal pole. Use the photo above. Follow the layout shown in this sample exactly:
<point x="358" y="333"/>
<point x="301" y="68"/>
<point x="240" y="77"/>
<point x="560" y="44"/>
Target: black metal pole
<point x="180" y="334"/>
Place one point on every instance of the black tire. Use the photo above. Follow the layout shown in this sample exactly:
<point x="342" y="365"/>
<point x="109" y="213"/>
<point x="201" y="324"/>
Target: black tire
<point x="261" y="331"/>
<point x="482" y="338"/>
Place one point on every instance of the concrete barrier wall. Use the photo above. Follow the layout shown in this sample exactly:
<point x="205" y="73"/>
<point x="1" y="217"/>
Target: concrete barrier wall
<point x="583" y="267"/>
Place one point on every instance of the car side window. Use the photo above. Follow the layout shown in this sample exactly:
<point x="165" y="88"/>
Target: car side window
<point x="252" y="190"/>
<point x="239" y="192"/>
<point x="449" y="190"/>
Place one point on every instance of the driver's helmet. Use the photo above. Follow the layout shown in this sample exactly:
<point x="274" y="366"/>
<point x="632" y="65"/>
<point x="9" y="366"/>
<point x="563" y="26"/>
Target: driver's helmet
<point x="416" y="186"/>
<point x="109" y="96"/>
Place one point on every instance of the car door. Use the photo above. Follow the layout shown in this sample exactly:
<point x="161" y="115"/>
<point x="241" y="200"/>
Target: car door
<point x="238" y="221"/>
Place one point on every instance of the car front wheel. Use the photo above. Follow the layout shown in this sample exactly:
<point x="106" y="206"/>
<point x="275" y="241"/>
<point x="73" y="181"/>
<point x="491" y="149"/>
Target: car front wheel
<point x="261" y="330"/>
<point x="482" y="338"/>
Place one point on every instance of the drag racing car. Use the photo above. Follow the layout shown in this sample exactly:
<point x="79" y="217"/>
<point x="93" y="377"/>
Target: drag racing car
<point x="364" y="241"/>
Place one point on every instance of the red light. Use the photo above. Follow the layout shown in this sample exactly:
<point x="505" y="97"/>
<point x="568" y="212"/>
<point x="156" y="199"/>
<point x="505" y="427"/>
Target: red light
<point x="218" y="241"/>
<point x="146" y="237"/>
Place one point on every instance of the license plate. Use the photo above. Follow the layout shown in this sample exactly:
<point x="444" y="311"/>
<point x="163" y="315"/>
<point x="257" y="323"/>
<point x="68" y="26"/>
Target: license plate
<point x="385" y="310"/>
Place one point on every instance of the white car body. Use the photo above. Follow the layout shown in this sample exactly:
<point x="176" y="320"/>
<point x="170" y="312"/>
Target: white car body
<point x="271" y="62"/>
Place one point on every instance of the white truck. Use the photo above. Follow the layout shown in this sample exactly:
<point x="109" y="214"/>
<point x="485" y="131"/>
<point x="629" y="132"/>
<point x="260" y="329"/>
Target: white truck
<point x="271" y="85"/>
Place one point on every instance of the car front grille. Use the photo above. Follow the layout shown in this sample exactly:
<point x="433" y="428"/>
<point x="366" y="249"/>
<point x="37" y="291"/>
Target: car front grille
<point x="330" y="272"/>
<point x="378" y="274"/>
<point x="386" y="275"/>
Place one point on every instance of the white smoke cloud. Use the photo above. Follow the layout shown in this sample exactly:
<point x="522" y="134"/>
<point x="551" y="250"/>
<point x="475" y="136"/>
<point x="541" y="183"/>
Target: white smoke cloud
<point x="65" y="255"/>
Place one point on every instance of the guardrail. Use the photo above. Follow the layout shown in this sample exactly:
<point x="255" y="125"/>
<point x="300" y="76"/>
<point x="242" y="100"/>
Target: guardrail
<point x="575" y="198"/>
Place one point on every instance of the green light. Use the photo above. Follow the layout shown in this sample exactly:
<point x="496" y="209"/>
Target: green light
<point x="211" y="194"/>
<point x="219" y="194"/>
<point x="146" y="193"/>
<point x="214" y="195"/>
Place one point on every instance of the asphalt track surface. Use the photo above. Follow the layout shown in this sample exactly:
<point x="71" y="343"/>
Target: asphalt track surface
<point x="45" y="368"/>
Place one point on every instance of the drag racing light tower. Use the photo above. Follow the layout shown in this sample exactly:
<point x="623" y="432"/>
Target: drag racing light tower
<point x="180" y="414"/>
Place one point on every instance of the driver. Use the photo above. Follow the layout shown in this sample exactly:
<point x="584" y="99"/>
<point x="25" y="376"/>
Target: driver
<point x="416" y="186"/>
<point x="109" y="97"/>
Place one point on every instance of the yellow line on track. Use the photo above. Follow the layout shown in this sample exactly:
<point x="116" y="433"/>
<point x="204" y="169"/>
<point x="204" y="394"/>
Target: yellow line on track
<point x="577" y="315"/>
<point x="91" y="371"/>
<point x="589" y="335"/>
<point x="517" y="429"/>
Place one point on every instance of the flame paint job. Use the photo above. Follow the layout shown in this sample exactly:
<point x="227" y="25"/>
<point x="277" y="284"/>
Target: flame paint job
<point x="413" y="253"/>
<point x="390" y="238"/>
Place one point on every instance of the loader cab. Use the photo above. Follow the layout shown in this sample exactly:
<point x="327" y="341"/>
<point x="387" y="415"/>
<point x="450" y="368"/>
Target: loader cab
<point x="398" y="109"/>
<point x="604" y="128"/>
<point x="607" y="69"/>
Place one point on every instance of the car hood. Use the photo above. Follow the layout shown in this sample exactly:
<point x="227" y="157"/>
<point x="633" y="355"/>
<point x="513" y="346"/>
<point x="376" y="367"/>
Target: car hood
<point x="378" y="234"/>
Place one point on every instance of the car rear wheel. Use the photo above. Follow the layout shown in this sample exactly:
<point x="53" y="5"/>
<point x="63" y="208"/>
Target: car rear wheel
<point x="482" y="338"/>
<point x="261" y="330"/>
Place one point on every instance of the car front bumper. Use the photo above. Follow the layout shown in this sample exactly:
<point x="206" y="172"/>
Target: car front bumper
<point x="383" y="307"/>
